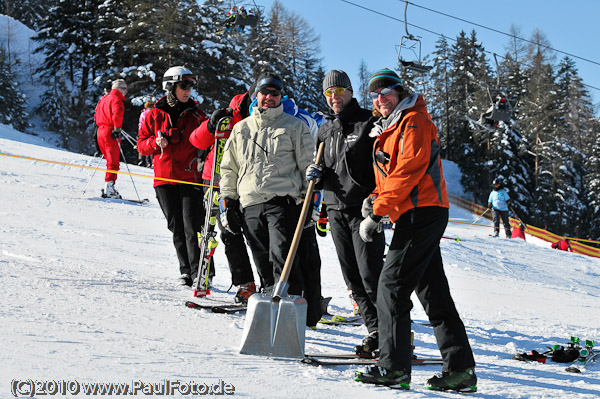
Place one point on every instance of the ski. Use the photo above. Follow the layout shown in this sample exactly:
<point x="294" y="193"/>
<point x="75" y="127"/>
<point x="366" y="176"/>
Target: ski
<point x="142" y="201"/>
<point x="342" y="321"/>
<point x="334" y="360"/>
<point x="224" y="308"/>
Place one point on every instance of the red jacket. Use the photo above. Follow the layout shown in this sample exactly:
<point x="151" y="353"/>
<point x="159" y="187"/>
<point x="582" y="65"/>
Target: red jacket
<point x="563" y="245"/>
<point x="202" y="138"/>
<point x="177" y="159"/>
<point x="110" y="110"/>
<point x="413" y="175"/>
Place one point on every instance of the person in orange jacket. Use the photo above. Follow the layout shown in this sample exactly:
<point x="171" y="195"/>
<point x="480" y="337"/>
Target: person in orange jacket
<point x="109" y="118"/>
<point x="411" y="190"/>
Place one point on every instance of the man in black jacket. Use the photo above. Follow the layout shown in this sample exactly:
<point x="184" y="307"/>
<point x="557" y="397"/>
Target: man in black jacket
<point x="347" y="179"/>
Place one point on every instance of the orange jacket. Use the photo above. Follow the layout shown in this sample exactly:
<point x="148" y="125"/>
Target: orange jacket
<point x="413" y="176"/>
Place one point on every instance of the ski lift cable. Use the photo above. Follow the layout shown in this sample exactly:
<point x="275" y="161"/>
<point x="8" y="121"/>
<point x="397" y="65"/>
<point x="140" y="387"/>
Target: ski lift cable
<point x="503" y="33"/>
<point x="443" y="35"/>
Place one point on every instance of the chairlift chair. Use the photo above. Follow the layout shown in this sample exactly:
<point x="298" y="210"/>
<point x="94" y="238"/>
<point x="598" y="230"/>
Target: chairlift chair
<point x="410" y="42"/>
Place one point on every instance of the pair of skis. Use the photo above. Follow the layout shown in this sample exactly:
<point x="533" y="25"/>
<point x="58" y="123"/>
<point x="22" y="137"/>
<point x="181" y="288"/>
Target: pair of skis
<point x="352" y="359"/>
<point x="208" y="242"/>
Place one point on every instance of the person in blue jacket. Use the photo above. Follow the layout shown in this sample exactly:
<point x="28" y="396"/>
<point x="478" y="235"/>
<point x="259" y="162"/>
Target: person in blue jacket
<point x="499" y="202"/>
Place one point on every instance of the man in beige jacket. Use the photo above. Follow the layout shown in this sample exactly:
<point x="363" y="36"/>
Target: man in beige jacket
<point x="262" y="171"/>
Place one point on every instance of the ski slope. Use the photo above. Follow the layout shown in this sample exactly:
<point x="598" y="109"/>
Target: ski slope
<point x="89" y="296"/>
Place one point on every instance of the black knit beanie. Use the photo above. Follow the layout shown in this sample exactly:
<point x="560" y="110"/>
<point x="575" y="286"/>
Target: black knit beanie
<point x="336" y="78"/>
<point x="383" y="78"/>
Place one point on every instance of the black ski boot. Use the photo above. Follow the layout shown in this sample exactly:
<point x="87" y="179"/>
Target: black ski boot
<point x="370" y="343"/>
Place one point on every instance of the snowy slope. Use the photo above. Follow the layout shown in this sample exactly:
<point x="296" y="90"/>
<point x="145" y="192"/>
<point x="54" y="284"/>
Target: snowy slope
<point x="88" y="295"/>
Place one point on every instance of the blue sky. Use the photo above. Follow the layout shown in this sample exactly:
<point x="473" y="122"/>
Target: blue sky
<point x="349" y="33"/>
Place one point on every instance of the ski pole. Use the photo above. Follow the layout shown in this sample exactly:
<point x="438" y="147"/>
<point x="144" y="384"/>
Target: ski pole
<point x="480" y="216"/>
<point x="129" y="138"/>
<point x="95" y="169"/>
<point x="127" y="166"/>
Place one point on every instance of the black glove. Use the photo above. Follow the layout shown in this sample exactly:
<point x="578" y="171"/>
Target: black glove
<point x="216" y="117"/>
<point x="116" y="133"/>
<point x="230" y="215"/>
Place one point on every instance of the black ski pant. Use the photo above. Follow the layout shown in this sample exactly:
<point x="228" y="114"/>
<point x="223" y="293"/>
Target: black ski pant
<point x="182" y="206"/>
<point x="414" y="263"/>
<point x="236" y="253"/>
<point x="497" y="214"/>
<point x="269" y="228"/>
<point x="309" y="260"/>
<point x="360" y="261"/>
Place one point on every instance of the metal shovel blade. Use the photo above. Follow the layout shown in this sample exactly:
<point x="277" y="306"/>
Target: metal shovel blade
<point x="274" y="326"/>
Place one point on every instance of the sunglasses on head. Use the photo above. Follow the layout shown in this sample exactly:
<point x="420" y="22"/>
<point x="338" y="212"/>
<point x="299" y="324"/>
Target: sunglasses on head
<point x="384" y="92"/>
<point x="266" y="91"/>
<point x="187" y="84"/>
<point x="334" y="90"/>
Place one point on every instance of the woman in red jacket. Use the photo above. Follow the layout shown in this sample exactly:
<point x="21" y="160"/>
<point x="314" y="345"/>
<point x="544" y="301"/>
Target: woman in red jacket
<point x="411" y="190"/>
<point x="165" y="133"/>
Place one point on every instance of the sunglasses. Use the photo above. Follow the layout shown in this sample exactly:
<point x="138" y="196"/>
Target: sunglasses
<point x="187" y="84"/>
<point x="334" y="90"/>
<point x="386" y="91"/>
<point x="266" y="91"/>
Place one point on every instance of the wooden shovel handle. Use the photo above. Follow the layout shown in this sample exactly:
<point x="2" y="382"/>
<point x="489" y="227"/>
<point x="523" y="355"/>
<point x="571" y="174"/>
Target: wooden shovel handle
<point x="287" y="268"/>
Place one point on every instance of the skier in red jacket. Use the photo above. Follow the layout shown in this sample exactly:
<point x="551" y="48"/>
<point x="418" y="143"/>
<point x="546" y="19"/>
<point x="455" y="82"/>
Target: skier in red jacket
<point x="165" y="133"/>
<point x="109" y="118"/>
<point x="563" y="245"/>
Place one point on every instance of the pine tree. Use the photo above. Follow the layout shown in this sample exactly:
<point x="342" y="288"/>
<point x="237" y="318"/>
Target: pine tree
<point x="438" y="98"/>
<point x="363" y="87"/>
<point x="66" y="40"/>
<point x="12" y="100"/>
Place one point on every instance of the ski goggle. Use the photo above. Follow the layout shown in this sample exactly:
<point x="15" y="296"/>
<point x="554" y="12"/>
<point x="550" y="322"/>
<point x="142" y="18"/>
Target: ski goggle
<point x="187" y="84"/>
<point x="266" y="91"/>
<point x="334" y="90"/>
<point x="384" y="92"/>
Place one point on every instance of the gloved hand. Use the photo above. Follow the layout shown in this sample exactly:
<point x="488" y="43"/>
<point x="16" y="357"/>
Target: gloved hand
<point x="314" y="172"/>
<point x="230" y="216"/>
<point x="161" y="139"/>
<point x="116" y="133"/>
<point x="367" y="206"/>
<point x="174" y="135"/>
<point x="489" y="205"/>
<point x="216" y="117"/>
<point x="368" y="227"/>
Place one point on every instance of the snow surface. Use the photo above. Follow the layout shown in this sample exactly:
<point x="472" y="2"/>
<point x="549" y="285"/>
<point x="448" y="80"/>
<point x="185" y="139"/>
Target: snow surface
<point x="89" y="294"/>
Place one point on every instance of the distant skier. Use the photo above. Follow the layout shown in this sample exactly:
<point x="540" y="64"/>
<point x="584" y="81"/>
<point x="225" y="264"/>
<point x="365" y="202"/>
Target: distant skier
<point x="109" y="118"/>
<point x="499" y="202"/>
<point x="563" y="245"/>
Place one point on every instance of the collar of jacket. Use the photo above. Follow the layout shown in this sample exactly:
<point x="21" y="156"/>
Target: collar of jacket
<point x="267" y="114"/>
<point x="349" y="113"/>
<point x="384" y="124"/>
<point x="118" y="94"/>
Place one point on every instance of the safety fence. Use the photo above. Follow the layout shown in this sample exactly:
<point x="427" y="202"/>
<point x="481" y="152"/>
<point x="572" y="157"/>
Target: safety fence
<point x="576" y="243"/>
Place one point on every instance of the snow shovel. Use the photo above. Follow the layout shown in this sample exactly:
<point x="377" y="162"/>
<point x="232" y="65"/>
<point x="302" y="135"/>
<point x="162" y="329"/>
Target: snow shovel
<point x="275" y="324"/>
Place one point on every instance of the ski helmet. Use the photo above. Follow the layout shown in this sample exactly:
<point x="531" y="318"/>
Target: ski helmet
<point x="498" y="180"/>
<point x="176" y="74"/>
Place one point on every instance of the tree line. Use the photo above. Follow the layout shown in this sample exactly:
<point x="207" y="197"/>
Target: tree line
<point x="549" y="152"/>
